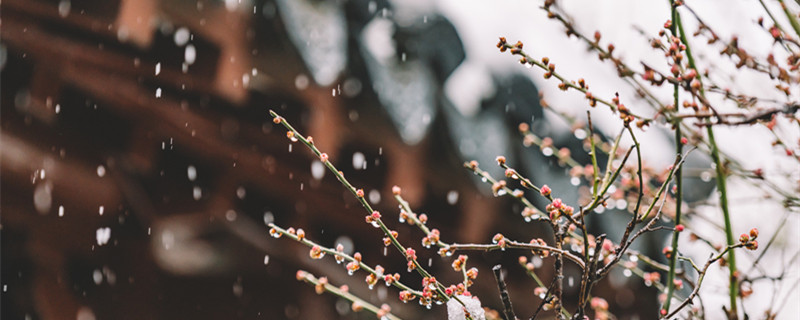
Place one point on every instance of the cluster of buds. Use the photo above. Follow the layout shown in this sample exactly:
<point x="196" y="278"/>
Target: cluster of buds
<point x="403" y="217"/>
<point x="500" y="240"/>
<point x="372" y="278"/>
<point x="320" y="286"/>
<point x="472" y="273"/>
<point x="502" y="44"/>
<point x="540" y="252"/>
<point x="426" y="298"/>
<point x="459" y="263"/>
<point x="353" y="266"/>
<point x="529" y="266"/>
<point x="411" y="254"/>
<point x="431" y="238"/>
<point x="557" y="207"/>
<point x="529" y="214"/>
<point x="458" y="289"/>
<point x="429" y="282"/>
<point x="545" y="190"/>
<point x="497" y="186"/>
<point x="511" y="173"/>
<point x="391" y="278"/>
<point x="517" y="48"/>
<point x="388" y="240"/>
<point x="749" y="240"/>
<point x="339" y="253"/>
<point x="429" y="285"/>
<point x="384" y="310"/>
<point x="373" y="218"/>
<point x="649" y="74"/>
<point x="316" y="252"/>
<point x="651" y="277"/>
<point x="551" y="68"/>
<point x="690" y="104"/>
<point x="409" y="217"/>
<point x="274" y="233"/>
<point x="676" y="48"/>
<point x="600" y="307"/>
<point x="406" y="296"/>
<point x="624" y="112"/>
<point x="582" y="83"/>
<point x="446" y="251"/>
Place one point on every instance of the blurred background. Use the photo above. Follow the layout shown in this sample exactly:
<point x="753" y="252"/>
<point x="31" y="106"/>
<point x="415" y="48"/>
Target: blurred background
<point x="140" y="165"/>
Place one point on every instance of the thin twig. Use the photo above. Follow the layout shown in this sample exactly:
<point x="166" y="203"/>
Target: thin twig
<point x="322" y="284"/>
<point x="508" y="310"/>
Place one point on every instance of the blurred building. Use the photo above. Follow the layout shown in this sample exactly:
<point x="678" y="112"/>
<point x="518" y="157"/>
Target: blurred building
<point x="139" y="162"/>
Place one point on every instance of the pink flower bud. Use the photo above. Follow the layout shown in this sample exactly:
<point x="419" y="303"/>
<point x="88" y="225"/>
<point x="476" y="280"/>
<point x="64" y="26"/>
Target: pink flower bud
<point x="545" y="190"/>
<point x="411" y="254"/>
